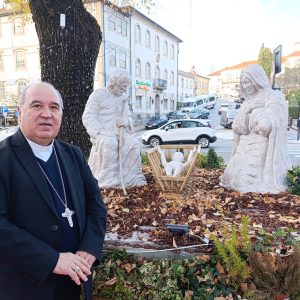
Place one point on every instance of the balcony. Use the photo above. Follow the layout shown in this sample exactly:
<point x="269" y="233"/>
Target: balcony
<point x="159" y="84"/>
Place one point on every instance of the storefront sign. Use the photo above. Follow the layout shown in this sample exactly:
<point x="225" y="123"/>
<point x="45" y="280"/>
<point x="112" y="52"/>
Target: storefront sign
<point x="143" y="85"/>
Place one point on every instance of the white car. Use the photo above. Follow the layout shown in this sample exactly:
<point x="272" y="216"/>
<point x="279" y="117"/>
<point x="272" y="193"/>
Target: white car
<point x="7" y="132"/>
<point x="183" y="131"/>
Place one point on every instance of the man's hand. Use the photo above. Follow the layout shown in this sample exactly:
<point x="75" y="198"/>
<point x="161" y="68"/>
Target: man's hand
<point x="89" y="258"/>
<point x="72" y="265"/>
<point x="122" y="122"/>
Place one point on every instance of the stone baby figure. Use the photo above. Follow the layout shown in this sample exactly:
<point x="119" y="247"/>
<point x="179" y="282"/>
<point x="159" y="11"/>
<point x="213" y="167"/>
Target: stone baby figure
<point x="177" y="164"/>
<point x="115" y="155"/>
<point x="259" y="160"/>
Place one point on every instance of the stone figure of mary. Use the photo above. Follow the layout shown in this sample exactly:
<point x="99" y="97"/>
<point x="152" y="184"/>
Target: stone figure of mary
<point x="259" y="161"/>
<point x="115" y="158"/>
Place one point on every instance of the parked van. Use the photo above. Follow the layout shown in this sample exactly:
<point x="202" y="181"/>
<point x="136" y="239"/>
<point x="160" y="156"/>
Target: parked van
<point x="212" y="100"/>
<point x="188" y="104"/>
<point x="201" y="101"/>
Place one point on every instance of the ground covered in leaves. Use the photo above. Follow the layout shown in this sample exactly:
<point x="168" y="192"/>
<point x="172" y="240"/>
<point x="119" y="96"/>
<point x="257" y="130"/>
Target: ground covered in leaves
<point x="138" y="219"/>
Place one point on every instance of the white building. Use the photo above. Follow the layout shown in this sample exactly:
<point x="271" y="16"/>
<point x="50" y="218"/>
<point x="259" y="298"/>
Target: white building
<point x="154" y="56"/>
<point x="19" y="56"/>
<point x="115" y="47"/>
<point x="185" y="85"/>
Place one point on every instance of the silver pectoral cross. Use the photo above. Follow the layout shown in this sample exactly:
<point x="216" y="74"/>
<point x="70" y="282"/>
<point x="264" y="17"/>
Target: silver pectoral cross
<point x="68" y="214"/>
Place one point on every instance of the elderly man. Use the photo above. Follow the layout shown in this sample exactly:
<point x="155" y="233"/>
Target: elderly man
<point x="52" y="217"/>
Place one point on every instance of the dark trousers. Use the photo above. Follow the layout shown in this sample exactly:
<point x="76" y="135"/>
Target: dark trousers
<point x="66" y="289"/>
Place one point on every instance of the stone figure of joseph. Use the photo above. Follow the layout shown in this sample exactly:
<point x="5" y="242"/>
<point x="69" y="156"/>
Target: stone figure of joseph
<point x="115" y="155"/>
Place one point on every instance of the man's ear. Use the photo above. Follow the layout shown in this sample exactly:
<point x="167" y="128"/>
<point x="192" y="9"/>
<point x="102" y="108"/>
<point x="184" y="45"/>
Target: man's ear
<point x="19" y="114"/>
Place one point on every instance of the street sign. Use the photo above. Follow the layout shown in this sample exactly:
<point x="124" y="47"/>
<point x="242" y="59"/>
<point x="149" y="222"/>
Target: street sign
<point x="4" y="109"/>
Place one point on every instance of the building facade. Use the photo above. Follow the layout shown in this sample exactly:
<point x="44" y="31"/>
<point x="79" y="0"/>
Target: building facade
<point x="154" y="57"/>
<point x="19" y="56"/>
<point x="226" y="82"/>
<point x="186" y="85"/>
<point x="130" y="40"/>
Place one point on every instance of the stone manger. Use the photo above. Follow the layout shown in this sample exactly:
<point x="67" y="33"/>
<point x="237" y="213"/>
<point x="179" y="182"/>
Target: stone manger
<point x="172" y="184"/>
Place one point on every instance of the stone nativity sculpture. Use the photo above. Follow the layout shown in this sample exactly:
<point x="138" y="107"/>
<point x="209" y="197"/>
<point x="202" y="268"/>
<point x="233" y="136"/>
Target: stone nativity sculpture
<point x="115" y="158"/>
<point x="176" y="165"/>
<point x="259" y="161"/>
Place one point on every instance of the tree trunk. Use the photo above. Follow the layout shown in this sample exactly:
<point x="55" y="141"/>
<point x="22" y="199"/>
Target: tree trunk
<point x="68" y="58"/>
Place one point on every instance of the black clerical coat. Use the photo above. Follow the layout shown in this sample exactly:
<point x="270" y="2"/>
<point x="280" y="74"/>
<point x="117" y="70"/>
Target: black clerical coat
<point x="29" y="228"/>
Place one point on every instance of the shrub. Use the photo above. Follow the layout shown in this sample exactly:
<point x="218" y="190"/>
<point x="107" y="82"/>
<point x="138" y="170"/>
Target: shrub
<point x="210" y="160"/>
<point x="233" y="252"/>
<point x="293" y="178"/>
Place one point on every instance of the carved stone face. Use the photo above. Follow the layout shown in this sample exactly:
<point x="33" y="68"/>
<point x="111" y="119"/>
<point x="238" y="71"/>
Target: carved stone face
<point x="119" y="89"/>
<point x="248" y="86"/>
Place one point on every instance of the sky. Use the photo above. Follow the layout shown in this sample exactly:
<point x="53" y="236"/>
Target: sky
<point x="222" y="33"/>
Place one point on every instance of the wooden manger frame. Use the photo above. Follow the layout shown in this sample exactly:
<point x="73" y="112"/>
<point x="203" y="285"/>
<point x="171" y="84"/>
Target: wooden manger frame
<point x="171" y="184"/>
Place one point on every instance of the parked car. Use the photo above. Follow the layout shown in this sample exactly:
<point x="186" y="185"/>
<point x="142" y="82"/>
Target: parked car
<point x="199" y="113"/>
<point x="223" y="107"/>
<point x="226" y="106"/>
<point x="176" y="115"/>
<point x="7" y="132"/>
<point x="156" y="121"/>
<point x="183" y="131"/>
<point x="239" y="100"/>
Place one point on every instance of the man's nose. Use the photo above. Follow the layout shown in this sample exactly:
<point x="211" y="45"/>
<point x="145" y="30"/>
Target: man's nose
<point x="46" y="113"/>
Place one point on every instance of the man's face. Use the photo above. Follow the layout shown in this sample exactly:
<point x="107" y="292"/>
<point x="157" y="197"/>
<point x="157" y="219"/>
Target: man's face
<point x="40" y="116"/>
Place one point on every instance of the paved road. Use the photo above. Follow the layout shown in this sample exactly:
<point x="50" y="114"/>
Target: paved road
<point x="223" y="145"/>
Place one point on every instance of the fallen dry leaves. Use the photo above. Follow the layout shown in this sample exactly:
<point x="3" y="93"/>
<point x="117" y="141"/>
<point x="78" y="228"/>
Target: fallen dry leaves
<point x="205" y="206"/>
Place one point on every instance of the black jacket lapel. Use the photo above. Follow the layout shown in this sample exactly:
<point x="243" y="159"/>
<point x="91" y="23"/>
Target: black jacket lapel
<point x="27" y="158"/>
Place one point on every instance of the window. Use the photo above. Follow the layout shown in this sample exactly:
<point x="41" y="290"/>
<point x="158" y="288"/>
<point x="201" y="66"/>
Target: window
<point x="148" y="71"/>
<point x="2" y="89"/>
<point x="165" y="77"/>
<point x="19" y="26"/>
<point x="124" y="27"/>
<point x="186" y="83"/>
<point x="122" y="60"/>
<point x="172" y="78"/>
<point x="157" y="44"/>
<point x="20" y="60"/>
<point x="112" y="56"/>
<point x="138" y="101"/>
<point x="148" y="39"/>
<point x="165" y="48"/>
<point x="21" y="85"/>
<point x="172" y="54"/>
<point x="172" y="105"/>
<point x="157" y="72"/>
<point x="1" y="61"/>
<point x="119" y="24"/>
<point x="138" y="71"/>
<point x="111" y="22"/>
<point x="165" y="104"/>
<point x="137" y="34"/>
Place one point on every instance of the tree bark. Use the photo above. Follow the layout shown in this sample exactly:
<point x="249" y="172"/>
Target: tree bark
<point x="68" y="59"/>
